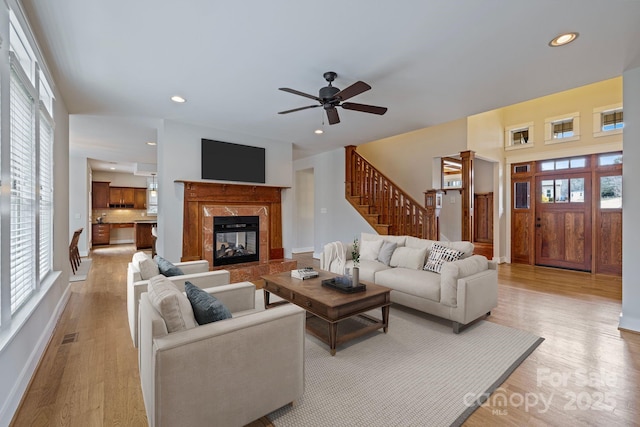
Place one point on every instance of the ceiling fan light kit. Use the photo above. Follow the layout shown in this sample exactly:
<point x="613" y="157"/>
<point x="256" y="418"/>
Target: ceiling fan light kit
<point x="330" y="97"/>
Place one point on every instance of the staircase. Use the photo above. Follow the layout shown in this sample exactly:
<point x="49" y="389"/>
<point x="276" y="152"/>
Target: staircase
<point x="382" y="203"/>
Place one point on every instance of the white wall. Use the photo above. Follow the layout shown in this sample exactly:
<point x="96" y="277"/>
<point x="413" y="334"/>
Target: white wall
<point x="120" y="179"/>
<point x="630" y="316"/>
<point x="335" y="218"/>
<point x="304" y="210"/>
<point x="22" y="345"/>
<point x="482" y="176"/>
<point x="179" y="150"/>
<point x="485" y="136"/>
<point x="79" y="208"/>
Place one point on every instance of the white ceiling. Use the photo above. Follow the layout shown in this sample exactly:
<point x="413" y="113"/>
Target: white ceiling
<point x="118" y="62"/>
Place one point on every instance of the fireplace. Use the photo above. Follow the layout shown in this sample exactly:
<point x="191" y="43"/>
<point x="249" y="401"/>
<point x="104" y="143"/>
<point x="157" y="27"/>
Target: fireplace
<point x="236" y="239"/>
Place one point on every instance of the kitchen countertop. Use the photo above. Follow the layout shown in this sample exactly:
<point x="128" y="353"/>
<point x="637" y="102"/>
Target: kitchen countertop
<point x="146" y="221"/>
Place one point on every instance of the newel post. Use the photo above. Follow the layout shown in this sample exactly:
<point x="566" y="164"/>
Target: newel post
<point x="349" y="165"/>
<point x="467" y="195"/>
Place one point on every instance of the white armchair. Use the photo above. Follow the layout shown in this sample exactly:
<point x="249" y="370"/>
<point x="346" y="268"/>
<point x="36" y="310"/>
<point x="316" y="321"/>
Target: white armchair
<point x="196" y="272"/>
<point x="227" y="373"/>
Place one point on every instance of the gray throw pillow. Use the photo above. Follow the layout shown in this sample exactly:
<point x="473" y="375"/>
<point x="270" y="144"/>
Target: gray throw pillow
<point x="166" y="268"/>
<point x="386" y="251"/>
<point x="206" y="307"/>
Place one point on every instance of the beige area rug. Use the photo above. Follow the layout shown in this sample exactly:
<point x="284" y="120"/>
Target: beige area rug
<point x="418" y="374"/>
<point x="82" y="271"/>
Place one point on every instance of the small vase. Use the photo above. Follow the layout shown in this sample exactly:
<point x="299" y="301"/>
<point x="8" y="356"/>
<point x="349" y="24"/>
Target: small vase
<point x="355" y="280"/>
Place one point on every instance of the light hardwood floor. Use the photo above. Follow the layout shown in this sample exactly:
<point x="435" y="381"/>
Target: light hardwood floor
<point x="94" y="381"/>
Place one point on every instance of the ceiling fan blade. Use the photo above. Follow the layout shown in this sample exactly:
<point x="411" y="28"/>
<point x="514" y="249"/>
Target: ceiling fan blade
<point x="298" y="109"/>
<point x="355" y="89"/>
<point x="332" y="115"/>
<point x="297" y="92"/>
<point x="364" y="108"/>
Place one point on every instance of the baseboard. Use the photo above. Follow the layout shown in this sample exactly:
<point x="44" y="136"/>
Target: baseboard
<point x="301" y="250"/>
<point x="629" y="324"/>
<point x="17" y="393"/>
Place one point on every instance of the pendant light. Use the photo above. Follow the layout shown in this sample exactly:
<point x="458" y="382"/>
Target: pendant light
<point x="154" y="189"/>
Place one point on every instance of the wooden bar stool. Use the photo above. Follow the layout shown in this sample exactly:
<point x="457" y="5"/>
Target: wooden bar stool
<point x="74" y="253"/>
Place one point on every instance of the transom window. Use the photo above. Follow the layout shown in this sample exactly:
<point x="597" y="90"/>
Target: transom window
<point x="610" y="159"/>
<point x="563" y="129"/>
<point x="519" y="136"/>
<point x="560" y="164"/>
<point x="608" y="120"/>
<point x="612" y="120"/>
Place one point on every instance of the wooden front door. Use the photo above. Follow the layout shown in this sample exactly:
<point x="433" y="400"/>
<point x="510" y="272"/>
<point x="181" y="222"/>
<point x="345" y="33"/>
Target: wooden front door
<point x="563" y="221"/>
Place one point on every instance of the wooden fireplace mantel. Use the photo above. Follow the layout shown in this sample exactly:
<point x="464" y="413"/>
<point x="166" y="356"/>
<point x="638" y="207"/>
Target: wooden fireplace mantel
<point x="200" y="195"/>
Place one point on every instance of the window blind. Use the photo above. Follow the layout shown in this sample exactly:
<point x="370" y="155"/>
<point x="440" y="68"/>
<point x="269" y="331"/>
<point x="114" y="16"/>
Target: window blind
<point x="563" y="129"/>
<point x="23" y="203"/>
<point x="46" y="193"/>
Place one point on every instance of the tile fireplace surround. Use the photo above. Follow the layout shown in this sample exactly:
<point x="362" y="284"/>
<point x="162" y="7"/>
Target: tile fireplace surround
<point x="211" y="211"/>
<point x="203" y="201"/>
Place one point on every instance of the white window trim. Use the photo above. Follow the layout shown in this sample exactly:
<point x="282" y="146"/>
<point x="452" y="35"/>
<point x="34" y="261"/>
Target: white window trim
<point x="508" y="136"/>
<point x="597" y="120"/>
<point x="548" y="128"/>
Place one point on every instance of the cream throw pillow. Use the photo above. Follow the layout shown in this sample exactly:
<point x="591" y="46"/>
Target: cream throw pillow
<point x="369" y="249"/>
<point x="404" y="257"/>
<point x="148" y="268"/>
<point x="137" y="258"/>
<point x="173" y="305"/>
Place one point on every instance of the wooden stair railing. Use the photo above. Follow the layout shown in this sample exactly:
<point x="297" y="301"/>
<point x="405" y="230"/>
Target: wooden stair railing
<point x="382" y="203"/>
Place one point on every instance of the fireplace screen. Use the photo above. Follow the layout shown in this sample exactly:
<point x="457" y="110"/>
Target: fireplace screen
<point x="236" y="239"/>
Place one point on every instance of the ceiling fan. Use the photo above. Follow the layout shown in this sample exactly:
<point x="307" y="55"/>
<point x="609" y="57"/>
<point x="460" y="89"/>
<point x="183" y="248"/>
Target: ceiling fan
<point x="331" y="97"/>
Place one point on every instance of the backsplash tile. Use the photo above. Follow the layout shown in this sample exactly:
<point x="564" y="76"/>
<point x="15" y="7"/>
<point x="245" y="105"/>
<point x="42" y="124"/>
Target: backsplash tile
<point x="121" y="215"/>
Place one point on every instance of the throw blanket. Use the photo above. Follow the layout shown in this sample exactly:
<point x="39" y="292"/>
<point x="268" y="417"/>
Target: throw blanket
<point x="335" y="257"/>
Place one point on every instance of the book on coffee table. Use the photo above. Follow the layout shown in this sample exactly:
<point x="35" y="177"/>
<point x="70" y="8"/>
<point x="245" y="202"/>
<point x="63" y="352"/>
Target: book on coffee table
<point x="304" y="273"/>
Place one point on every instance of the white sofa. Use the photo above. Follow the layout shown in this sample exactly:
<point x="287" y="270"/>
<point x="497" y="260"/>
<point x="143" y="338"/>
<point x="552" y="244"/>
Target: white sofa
<point x="463" y="291"/>
<point x="197" y="272"/>
<point x="227" y="373"/>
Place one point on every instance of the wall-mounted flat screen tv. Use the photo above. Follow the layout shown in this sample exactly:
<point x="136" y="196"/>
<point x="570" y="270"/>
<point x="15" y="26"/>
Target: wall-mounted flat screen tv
<point x="232" y="162"/>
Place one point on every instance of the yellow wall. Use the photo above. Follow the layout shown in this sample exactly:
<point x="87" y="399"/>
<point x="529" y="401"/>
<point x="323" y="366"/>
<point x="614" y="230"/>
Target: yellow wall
<point x="407" y="159"/>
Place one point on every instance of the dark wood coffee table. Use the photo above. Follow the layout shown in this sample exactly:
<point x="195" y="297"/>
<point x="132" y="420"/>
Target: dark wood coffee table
<point x="331" y="305"/>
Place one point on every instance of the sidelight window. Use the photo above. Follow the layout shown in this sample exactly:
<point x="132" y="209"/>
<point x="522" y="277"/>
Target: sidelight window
<point x="611" y="192"/>
<point x="521" y="192"/>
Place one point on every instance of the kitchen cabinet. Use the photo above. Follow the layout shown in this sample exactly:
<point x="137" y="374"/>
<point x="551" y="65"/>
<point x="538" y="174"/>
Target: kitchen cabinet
<point x="143" y="236"/>
<point x="121" y="197"/>
<point x="140" y="196"/>
<point x="100" y="234"/>
<point x="99" y="195"/>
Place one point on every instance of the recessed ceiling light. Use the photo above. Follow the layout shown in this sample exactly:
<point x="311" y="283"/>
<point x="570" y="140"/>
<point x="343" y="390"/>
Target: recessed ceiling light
<point x="152" y="143"/>
<point x="178" y="99"/>
<point x="112" y="168"/>
<point x="318" y="131"/>
<point x="563" y="39"/>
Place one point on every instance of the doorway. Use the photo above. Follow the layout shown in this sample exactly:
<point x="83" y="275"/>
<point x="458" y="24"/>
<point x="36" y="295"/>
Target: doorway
<point x="567" y="213"/>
